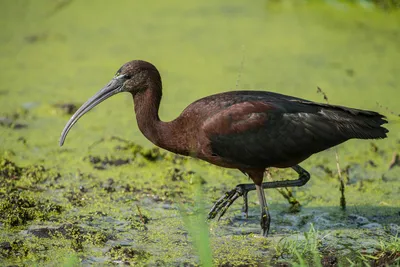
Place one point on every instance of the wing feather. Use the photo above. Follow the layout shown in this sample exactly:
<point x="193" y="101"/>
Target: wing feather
<point x="284" y="133"/>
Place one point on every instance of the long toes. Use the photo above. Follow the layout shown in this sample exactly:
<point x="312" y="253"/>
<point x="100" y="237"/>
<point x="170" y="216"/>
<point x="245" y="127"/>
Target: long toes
<point x="220" y="203"/>
<point x="215" y="208"/>
<point x="223" y="203"/>
<point x="228" y="204"/>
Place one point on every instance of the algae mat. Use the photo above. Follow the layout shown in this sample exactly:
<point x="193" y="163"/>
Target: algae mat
<point x="103" y="200"/>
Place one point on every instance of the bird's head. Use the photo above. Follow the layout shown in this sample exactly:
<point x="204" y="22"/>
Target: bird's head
<point x="134" y="77"/>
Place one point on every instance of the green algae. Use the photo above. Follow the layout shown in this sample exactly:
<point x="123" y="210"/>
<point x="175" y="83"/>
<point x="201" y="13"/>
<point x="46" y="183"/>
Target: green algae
<point x="129" y="255"/>
<point x="13" y="120"/>
<point x="9" y="170"/>
<point x="117" y="201"/>
<point x="18" y="210"/>
<point x="17" y="206"/>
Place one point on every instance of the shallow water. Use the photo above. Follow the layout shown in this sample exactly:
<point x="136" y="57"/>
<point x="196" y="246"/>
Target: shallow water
<point x="57" y="52"/>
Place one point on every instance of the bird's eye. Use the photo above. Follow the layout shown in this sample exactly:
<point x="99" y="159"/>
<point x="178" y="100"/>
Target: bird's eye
<point x="127" y="76"/>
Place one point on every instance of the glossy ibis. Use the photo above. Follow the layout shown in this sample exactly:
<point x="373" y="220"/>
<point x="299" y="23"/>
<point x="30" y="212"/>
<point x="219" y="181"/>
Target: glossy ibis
<point x="246" y="130"/>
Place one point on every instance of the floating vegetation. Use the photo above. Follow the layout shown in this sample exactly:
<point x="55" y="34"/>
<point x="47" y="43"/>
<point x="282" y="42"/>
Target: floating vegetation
<point x="128" y="255"/>
<point x="102" y="163"/>
<point x="16" y="209"/>
<point x="67" y="108"/>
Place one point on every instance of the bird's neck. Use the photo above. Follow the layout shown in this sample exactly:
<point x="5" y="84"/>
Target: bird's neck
<point x="162" y="134"/>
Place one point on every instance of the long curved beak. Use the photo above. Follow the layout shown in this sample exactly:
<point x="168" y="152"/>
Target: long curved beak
<point x="115" y="86"/>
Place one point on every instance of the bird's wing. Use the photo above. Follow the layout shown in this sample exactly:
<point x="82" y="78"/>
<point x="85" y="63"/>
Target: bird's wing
<point x="284" y="133"/>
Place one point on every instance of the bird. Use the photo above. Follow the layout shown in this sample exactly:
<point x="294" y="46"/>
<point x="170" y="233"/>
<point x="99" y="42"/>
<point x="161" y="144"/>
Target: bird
<point x="246" y="130"/>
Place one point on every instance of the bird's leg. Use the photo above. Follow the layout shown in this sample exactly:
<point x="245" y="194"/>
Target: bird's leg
<point x="265" y="217"/>
<point x="304" y="177"/>
<point x="245" y="208"/>
<point x="226" y="200"/>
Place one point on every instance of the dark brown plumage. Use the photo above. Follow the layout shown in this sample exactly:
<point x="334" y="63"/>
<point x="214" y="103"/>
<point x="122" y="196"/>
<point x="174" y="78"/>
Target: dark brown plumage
<point x="246" y="130"/>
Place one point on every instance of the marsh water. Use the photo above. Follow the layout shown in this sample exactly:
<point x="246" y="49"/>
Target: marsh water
<point x="100" y="199"/>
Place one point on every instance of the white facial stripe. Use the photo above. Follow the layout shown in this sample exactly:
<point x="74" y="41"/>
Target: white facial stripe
<point x="119" y="77"/>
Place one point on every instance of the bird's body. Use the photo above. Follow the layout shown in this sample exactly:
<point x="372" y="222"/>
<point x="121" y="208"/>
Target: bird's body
<point x="258" y="129"/>
<point x="247" y="130"/>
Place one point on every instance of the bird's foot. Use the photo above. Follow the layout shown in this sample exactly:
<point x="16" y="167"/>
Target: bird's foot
<point x="265" y="223"/>
<point x="222" y="204"/>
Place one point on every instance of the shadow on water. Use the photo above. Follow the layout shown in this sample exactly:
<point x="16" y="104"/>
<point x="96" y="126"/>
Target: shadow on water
<point x="322" y="218"/>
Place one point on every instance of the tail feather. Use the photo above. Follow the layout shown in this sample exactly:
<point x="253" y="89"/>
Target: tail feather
<point x="361" y="124"/>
